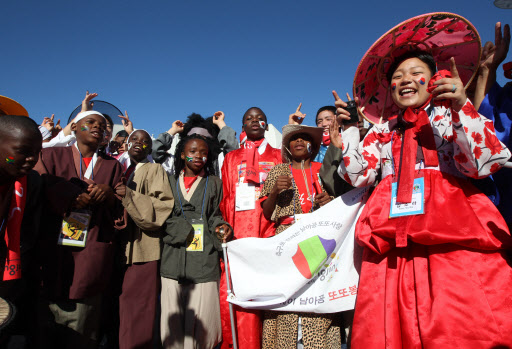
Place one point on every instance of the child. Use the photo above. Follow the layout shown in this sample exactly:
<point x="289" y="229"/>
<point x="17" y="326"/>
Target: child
<point x="190" y="258"/>
<point x="20" y="208"/>
<point x="148" y="201"/>
<point x="80" y="182"/>
<point x="247" y="221"/>
<point x="437" y="262"/>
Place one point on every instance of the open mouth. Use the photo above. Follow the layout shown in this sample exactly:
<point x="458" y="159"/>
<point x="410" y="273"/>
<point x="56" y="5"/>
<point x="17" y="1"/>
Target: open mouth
<point x="96" y="134"/>
<point x="407" y="92"/>
<point x="137" y="148"/>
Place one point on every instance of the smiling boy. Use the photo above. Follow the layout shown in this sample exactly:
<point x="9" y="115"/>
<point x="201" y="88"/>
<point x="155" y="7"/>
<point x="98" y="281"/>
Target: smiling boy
<point x="78" y="180"/>
<point x="243" y="173"/>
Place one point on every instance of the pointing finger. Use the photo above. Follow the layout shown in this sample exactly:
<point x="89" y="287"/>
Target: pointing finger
<point x="335" y="94"/>
<point x="348" y="96"/>
<point x="53" y="115"/>
<point x="298" y="108"/>
<point x="453" y="68"/>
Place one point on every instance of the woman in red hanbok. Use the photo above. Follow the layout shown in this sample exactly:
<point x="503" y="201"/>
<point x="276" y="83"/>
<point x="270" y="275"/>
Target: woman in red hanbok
<point x="439" y="276"/>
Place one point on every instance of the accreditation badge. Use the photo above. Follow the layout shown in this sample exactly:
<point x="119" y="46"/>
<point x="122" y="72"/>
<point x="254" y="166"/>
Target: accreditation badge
<point x="195" y="241"/>
<point x="245" y="197"/>
<point x="74" y="228"/>
<point x="416" y="206"/>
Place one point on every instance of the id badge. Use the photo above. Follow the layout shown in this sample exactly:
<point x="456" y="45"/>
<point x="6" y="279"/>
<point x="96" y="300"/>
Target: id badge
<point x="195" y="241"/>
<point x="245" y="197"/>
<point x="416" y="206"/>
<point x="74" y="228"/>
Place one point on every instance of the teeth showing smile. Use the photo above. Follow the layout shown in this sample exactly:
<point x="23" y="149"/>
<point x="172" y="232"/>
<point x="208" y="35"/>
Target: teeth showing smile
<point x="407" y="90"/>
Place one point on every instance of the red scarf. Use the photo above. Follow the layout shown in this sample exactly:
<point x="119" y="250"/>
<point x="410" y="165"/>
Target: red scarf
<point x="252" y="163"/>
<point x="13" y="220"/>
<point x="188" y="181"/>
<point x="418" y="128"/>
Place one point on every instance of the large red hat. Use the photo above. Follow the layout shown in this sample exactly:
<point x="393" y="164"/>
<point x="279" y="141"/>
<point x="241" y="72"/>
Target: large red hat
<point x="443" y="35"/>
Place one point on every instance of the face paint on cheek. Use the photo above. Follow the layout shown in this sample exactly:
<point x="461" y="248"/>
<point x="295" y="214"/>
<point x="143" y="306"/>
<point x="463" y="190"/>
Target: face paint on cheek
<point x="144" y="146"/>
<point x="204" y="159"/>
<point x="393" y="86"/>
<point x="130" y="145"/>
<point x="308" y="146"/>
<point x="188" y="158"/>
<point x="9" y="160"/>
<point x="262" y="124"/>
<point x="84" y="128"/>
<point x="422" y="81"/>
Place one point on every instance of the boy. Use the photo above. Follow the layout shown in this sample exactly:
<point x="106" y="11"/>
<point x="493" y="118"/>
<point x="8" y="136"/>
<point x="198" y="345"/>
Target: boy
<point x="243" y="174"/>
<point x="20" y="208"/>
<point x="78" y="180"/>
<point x="148" y="200"/>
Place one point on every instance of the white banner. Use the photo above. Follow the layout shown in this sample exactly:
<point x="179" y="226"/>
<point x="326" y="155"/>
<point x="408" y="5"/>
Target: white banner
<point x="307" y="268"/>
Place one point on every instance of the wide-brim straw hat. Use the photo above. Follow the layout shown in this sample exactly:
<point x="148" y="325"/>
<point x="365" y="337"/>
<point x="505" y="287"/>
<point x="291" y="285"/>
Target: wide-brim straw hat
<point x="11" y="107"/>
<point x="290" y="130"/>
<point x="442" y="34"/>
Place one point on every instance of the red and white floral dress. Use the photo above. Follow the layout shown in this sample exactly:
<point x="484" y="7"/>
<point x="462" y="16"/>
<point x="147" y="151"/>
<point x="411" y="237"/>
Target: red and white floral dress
<point x="448" y="284"/>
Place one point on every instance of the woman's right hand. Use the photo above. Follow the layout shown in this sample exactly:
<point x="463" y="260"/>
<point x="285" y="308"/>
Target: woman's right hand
<point x="283" y="182"/>
<point x="334" y="134"/>
<point x="341" y="113"/>
<point x="177" y="127"/>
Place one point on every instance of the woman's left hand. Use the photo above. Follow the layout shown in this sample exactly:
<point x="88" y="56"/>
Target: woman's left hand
<point x="322" y="199"/>
<point x="227" y="233"/>
<point x="451" y="88"/>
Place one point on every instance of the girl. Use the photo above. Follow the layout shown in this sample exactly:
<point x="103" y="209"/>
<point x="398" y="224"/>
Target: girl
<point x="292" y="189"/>
<point x="434" y="270"/>
<point x="190" y="258"/>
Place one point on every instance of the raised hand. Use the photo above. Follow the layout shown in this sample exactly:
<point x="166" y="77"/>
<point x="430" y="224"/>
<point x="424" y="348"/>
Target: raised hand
<point x="297" y="117"/>
<point x="177" y="127"/>
<point x="494" y="54"/>
<point x="127" y="123"/>
<point x="48" y="123"/>
<point x="341" y="112"/>
<point x="451" y="88"/>
<point x="218" y="119"/>
<point x="86" y="103"/>
<point x="334" y="134"/>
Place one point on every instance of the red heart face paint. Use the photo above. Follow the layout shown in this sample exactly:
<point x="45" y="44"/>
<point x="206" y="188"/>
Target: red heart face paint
<point x="393" y="86"/>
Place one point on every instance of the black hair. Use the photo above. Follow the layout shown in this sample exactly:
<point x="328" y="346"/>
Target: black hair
<point x="423" y="56"/>
<point x="330" y="108"/>
<point x="109" y="120"/>
<point x="196" y="120"/>
<point x="179" y="163"/>
<point x="8" y="123"/>
<point x="121" y="133"/>
<point x="262" y="112"/>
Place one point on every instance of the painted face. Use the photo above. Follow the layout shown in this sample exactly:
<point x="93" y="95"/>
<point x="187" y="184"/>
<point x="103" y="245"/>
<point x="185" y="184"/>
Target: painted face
<point x="19" y="152"/>
<point x="139" y="146"/>
<point x="195" y="154"/>
<point x="301" y="147"/>
<point x="324" y="119"/>
<point x="90" y="130"/>
<point x="255" y="124"/>
<point x="411" y="79"/>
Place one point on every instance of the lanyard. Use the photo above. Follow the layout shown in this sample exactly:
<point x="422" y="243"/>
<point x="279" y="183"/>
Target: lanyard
<point x="179" y="197"/>
<point x="90" y="164"/>
<point x="297" y="187"/>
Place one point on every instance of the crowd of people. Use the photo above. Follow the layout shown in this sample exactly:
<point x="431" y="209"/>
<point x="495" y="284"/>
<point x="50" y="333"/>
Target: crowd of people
<point x="115" y="241"/>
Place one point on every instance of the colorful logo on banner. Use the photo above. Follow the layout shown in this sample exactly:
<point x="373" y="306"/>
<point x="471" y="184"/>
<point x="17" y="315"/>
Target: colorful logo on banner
<point x="311" y="253"/>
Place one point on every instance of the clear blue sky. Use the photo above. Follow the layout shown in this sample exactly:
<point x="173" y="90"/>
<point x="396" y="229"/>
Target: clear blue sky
<point x="162" y="60"/>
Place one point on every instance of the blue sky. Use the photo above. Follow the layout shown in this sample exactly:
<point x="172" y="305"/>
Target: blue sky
<point x="162" y="60"/>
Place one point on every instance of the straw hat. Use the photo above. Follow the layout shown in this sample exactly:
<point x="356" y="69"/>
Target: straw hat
<point x="290" y="130"/>
<point x="441" y="34"/>
<point x="11" y="107"/>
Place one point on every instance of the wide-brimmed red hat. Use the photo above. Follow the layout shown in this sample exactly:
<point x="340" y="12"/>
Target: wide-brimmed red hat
<point x="442" y="34"/>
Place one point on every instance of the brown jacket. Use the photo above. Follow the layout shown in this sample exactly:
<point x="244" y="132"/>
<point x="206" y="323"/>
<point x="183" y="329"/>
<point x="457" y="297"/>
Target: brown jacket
<point x="148" y="202"/>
